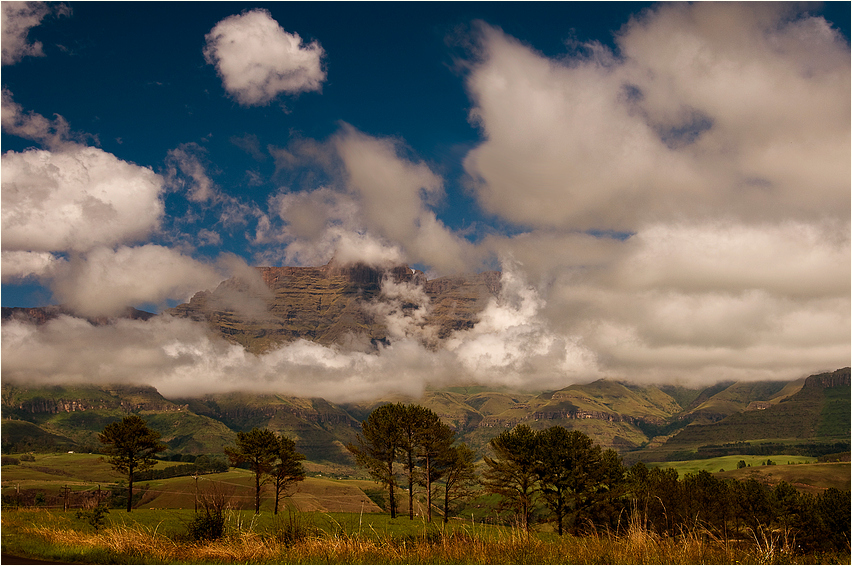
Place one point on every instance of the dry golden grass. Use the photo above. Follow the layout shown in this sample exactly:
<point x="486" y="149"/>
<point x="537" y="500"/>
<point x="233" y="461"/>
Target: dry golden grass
<point x="120" y="543"/>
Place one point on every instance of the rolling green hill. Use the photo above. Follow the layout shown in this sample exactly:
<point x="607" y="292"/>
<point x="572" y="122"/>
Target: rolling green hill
<point x="818" y="415"/>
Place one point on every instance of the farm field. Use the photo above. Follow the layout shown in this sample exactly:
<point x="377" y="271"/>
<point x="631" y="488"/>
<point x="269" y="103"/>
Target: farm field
<point x="86" y="472"/>
<point x="804" y="473"/>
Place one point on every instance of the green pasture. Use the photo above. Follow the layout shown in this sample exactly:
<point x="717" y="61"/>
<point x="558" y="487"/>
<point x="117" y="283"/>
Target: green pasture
<point x="727" y="463"/>
<point x="174" y="522"/>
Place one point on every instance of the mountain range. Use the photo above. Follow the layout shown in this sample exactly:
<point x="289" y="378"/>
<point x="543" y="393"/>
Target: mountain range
<point x="336" y="304"/>
<point x="810" y="416"/>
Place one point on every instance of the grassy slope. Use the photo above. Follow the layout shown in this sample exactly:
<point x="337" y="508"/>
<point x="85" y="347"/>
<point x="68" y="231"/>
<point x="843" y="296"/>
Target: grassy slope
<point x="812" y="478"/>
<point x="813" y="414"/>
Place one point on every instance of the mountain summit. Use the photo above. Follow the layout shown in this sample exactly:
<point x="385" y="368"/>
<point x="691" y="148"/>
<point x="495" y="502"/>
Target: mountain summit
<point x="355" y="304"/>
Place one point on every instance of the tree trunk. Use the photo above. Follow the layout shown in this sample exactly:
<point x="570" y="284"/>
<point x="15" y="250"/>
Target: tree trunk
<point x="446" y="502"/>
<point x="257" y="493"/>
<point x="428" y="489"/>
<point x="277" y="497"/>
<point x="410" y="485"/>
<point x="129" y="489"/>
<point x="390" y="490"/>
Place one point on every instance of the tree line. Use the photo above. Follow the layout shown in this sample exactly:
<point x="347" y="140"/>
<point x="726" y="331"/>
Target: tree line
<point x="553" y="474"/>
<point x="561" y="475"/>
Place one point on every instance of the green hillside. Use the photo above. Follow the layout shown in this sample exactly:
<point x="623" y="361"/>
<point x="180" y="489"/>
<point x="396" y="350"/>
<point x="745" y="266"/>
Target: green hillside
<point x="816" y="415"/>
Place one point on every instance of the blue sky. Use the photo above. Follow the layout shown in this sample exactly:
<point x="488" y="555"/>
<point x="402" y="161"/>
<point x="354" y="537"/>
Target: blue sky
<point x="667" y="183"/>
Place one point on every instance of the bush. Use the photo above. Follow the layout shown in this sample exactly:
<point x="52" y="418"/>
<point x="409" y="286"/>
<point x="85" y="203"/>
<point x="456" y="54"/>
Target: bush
<point x="207" y="525"/>
<point x="9" y="461"/>
<point x="94" y="516"/>
<point x="293" y="528"/>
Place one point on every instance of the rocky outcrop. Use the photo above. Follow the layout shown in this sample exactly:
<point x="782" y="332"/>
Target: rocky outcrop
<point x="42" y="315"/>
<point x="333" y="303"/>
<point x="838" y="378"/>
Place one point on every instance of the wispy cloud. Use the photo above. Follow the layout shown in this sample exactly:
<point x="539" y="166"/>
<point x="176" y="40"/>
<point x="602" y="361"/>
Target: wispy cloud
<point x="17" y="20"/>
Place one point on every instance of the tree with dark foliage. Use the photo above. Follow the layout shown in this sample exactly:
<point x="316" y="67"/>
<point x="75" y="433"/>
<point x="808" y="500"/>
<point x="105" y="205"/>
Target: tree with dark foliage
<point x="288" y="468"/>
<point x="433" y="440"/>
<point x="456" y="467"/>
<point x="379" y="442"/>
<point x="512" y="474"/>
<point x="258" y="447"/>
<point x="131" y="446"/>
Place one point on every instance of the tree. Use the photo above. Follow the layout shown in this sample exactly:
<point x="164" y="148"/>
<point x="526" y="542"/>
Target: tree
<point x="457" y="469"/>
<point x="378" y="444"/>
<point x="569" y="469"/>
<point x="512" y="475"/>
<point x="131" y="446"/>
<point x="258" y="447"/>
<point x="410" y="423"/>
<point x="288" y="468"/>
<point x="433" y="440"/>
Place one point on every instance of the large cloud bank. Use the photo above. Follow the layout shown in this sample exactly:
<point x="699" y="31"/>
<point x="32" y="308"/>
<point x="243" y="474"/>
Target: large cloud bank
<point x="680" y="205"/>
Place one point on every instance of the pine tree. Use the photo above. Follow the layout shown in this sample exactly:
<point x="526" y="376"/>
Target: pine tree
<point x="288" y="468"/>
<point x="258" y="447"/>
<point x="569" y="469"/>
<point x="512" y="474"/>
<point x="131" y="447"/>
<point x="432" y="440"/>
<point x="378" y="444"/>
<point x="458" y="471"/>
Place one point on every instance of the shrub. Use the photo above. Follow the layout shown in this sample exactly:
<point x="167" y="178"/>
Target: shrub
<point x="293" y="528"/>
<point x="94" y="516"/>
<point x="209" y="522"/>
<point x="207" y="525"/>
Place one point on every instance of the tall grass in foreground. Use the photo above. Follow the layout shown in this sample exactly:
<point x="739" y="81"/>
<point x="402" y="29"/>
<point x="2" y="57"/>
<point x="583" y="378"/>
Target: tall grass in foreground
<point x="300" y="542"/>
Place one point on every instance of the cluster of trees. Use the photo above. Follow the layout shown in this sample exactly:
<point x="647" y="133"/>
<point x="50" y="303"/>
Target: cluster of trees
<point x="132" y="447"/>
<point x="731" y="508"/>
<point x="554" y="473"/>
<point x="563" y="469"/>
<point x="561" y="475"/>
<point x="412" y="440"/>
<point x="272" y="458"/>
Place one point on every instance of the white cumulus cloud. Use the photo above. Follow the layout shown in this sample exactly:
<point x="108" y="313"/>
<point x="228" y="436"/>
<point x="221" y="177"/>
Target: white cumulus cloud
<point x="76" y="199"/>
<point x="257" y="60"/>
<point x="707" y="109"/>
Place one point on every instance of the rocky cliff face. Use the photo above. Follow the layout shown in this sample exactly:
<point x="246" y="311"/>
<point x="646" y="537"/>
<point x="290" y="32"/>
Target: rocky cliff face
<point x="333" y="304"/>
<point x="41" y="315"/>
<point x="59" y="399"/>
<point x="836" y="378"/>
